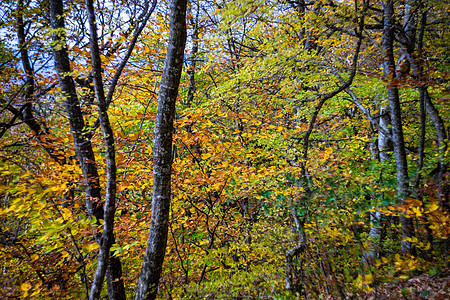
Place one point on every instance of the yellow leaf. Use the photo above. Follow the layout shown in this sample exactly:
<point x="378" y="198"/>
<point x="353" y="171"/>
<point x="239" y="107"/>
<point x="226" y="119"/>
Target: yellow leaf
<point x="433" y="207"/>
<point x="377" y="263"/>
<point x="25" y="286"/>
<point x="369" y="278"/>
<point x="66" y="213"/>
<point x="92" y="246"/>
<point x="55" y="188"/>
<point x="416" y="211"/>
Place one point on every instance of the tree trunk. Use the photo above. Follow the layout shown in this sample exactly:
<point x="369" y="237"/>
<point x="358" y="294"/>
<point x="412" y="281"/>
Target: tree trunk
<point x="85" y="154"/>
<point x="194" y="52"/>
<point x="115" y="289"/>
<point x="162" y="151"/>
<point x="81" y="136"/>
<point x="25" y="112"/>
<point x="442" y="144"/>
<point x="384" y="147"/>
<point x="396" y="121"/>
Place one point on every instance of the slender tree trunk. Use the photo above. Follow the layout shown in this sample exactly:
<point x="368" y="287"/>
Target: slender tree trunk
<point x="85" y="154"/>
<point x="25" y="59"/>
<point x="408" y="39"/>
<point x="115" y="289"/>
<point x="384" y="147"/>
<point x="114" y="280"/>
<point x="417" y="73"/>
<point x="162" y="151"/>
<point x="396" y="121"/>
<point x="81" y="136"/>
<point x="25" y="112"/>
<point x="442" y="144"/>
<point x="194" y="51"/>
<point x="324" y="97"/>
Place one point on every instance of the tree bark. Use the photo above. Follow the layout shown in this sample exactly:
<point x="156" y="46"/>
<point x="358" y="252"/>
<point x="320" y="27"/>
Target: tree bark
<point x="162" y="151"/>
<point x="25" y="112"/>
<point x="441" y="135"/>
<point x="115" y="289"/>
<point x="417" y="72"/>
<point x="85" y="154"/>
<point x="396" y="122"/>
<point x="194" y="51"/>
<point x="25" y="59"/>
<point x="81" y="137"/>
<point x="384" y="147"/>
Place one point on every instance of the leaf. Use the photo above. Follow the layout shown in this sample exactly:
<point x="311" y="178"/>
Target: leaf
<point x="25" y="286"/>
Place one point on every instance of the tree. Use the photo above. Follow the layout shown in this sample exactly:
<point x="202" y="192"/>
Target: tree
<point x="82" y="135"/>
<point x="162" y="153"/>
<point x="396" y="120"/>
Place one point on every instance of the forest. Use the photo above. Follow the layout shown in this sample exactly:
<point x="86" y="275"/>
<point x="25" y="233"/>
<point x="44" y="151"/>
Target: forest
<point x="211" y="149"/>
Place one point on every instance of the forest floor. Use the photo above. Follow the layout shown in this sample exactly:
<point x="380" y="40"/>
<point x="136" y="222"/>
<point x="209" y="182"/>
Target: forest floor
<point x="423" y="286"/>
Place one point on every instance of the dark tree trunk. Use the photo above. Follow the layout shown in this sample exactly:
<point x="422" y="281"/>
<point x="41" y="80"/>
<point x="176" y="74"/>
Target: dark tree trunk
<point x="162" y="151"/>
<point x="85" y="154"/>
<point x="25" y="59"/>
<point x="81" y="136"/>
<point x="116" y="289"/>
<point x="441" y="135"/>
<point x="25" y="112"/>
<point x="396" y="121"/>
<point x="417" y="73"/>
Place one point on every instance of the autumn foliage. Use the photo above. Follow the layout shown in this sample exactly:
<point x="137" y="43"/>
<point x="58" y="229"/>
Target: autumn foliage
<point x="285" y="173"/>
